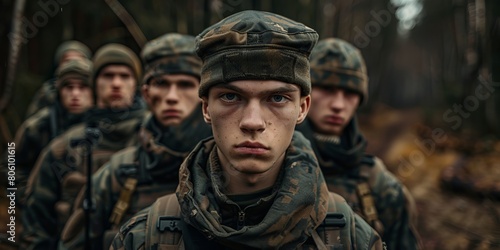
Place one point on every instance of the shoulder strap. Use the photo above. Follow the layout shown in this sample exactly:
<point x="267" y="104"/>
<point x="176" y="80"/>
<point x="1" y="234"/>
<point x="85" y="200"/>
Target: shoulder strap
<point x="123" y="202"/>
<point x="367" y="202"/>
<point x="163" y="224"/>
<point x="334" y="232"/>
<point x="366" y="199"/>
<point x="126" y="157"/>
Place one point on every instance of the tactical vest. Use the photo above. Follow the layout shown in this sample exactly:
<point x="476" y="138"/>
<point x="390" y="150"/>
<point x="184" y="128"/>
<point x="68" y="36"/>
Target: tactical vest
<point x="136" y="193"/>
<point x="363" y="191"/>
<point x="164" y="226"/>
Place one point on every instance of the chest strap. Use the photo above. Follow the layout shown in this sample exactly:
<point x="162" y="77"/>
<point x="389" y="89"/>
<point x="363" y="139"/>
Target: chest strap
<point x="123" y="202"/>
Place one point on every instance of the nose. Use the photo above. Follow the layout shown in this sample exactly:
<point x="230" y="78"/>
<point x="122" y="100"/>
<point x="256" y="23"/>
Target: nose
<point x="75" y="91"/>
<point x="337" y="100"/>
<point x="252" y="118"/>
<point x="116" y="81"/>
<point x="172" y="95"/>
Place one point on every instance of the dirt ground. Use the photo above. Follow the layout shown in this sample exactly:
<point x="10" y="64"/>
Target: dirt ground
<point x="461" y="212"/>
<point x="449" y="218"/>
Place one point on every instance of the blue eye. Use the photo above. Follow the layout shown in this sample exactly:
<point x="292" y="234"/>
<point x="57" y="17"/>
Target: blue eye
<point x="278" y="98"/>
<point x="229" y="97"/>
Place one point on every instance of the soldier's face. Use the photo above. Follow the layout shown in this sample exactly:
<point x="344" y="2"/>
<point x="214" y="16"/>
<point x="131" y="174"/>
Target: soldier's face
<point x="172" y="98"/>
<point x="332" y="109"/>
<point x="115" y="87"/>
<point x="253" y="123"/>
<point x="76" y="97"/>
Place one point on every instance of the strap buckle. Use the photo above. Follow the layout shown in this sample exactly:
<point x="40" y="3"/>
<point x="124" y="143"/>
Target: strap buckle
<point x="336" y="220"/>
<point x="170" y="223"/>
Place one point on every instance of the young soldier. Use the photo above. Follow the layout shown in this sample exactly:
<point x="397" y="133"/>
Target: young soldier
<point x="135" y="177"/>
<point x="255" y="184"/>
<point x="46" y="95"/>
<point x="73" y="98"/>
<point x="60" y="170"/>
<point x="339" y="85"/>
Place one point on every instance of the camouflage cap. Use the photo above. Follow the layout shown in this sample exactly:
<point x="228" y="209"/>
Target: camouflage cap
<point x="116" y="54"/>
<point x="170" y="54"/>
<point x="255" y="45"/>
<point x="76" y="68"/>
<point x="335" y="62"/>
<point x="71" y="45"/>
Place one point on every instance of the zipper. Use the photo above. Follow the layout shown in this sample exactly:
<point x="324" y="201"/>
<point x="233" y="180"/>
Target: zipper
<point x="241" y="219"/>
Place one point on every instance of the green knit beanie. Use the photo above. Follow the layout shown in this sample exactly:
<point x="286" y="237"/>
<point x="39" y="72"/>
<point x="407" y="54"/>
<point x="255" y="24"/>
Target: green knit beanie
<point x="69" y="46"/>
<point x="116" y="54"/>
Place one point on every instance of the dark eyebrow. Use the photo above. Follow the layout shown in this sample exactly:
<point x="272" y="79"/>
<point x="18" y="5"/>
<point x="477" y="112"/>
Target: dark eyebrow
<point x="282" y="90"/>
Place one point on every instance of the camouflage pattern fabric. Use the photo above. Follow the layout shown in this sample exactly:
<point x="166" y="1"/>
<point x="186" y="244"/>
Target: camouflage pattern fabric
<point x="344" y="165"/>
<point x="286" y="218"/>
<point x="37" y="131"/>
<point x="35" y="134"/>
<point x="337" y="63"/>
<point x="171" y="53"/>
<point x="59" y="173"/>
<point x="45" y="96"/>
<point x="155" y="164"/>
<point x="255" y="45"/>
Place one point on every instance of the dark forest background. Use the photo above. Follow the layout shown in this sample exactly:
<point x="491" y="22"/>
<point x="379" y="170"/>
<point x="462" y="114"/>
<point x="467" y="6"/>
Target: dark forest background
<point x="425" y="60"/>
<point x="419" y="53"/>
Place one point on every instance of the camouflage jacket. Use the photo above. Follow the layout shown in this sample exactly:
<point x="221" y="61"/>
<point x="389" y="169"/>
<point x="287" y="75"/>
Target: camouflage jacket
<point x="369" y="188"/>
<point x="34" y="134"/>
<point x="60" y="172"/>
<point x="152" y="166"/>
<point x="286" y="218"/>
<point x="44" y="97"/>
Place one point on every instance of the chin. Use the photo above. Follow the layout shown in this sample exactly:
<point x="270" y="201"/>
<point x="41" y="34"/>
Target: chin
<point x="169" y="123"/>
<point x="251" y="166"/>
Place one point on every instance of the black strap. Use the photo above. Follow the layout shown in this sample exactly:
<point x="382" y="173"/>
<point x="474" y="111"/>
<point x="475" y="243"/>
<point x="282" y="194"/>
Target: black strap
<point x="336" y="220"/>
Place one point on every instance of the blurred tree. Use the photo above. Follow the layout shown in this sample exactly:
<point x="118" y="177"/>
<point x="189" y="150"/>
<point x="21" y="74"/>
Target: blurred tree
<point x="432" y="65"/>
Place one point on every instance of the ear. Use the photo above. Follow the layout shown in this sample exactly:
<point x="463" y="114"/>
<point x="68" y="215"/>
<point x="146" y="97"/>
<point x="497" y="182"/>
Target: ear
<point x="305" y="104"/>
<point x="145" y="93"/>
<point x="206" y="113"/>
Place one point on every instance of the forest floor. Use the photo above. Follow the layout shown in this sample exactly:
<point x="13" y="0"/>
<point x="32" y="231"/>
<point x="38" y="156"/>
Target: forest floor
<point x="455" y="181"/>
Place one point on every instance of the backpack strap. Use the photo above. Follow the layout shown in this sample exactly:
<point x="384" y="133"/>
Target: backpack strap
<point x="365" y="195"/>
<point x="163" y="226"/>
<point x="333" y="233"/>
<point x="126" y="160"/>
<point x="123" y="202"/>
<point x="367" y="202"/>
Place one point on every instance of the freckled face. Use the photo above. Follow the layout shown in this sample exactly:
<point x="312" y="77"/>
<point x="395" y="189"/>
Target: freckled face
<point x="253" y="122"/>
